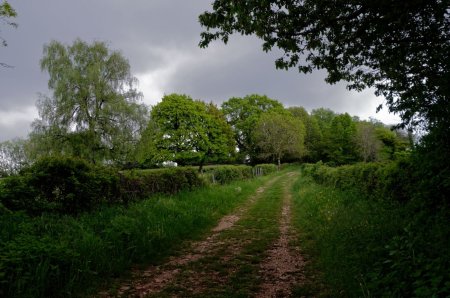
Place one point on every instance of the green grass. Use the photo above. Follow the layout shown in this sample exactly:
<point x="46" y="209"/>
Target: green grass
<point x="342" y="232"/>
<point x="235" y="272"/>
<point x="367" y="248"/>
<point x="51" y="256"/>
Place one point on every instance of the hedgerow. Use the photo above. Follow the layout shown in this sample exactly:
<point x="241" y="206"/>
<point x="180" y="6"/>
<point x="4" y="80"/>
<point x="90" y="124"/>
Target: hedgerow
<point x="412" y="261"/>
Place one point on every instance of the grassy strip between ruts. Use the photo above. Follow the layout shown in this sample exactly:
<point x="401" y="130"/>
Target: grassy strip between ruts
<point x="52" y="256"/>
<point x="232" y="268"/>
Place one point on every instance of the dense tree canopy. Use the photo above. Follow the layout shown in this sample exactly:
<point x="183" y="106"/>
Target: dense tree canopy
<point x="277" y="135"/>
<point x="189" y="131"/>
<point x="243" y="113"/>
<point x="94" y="111"/>
<point x="400" y="48"/>
<point x="13" y="156"/>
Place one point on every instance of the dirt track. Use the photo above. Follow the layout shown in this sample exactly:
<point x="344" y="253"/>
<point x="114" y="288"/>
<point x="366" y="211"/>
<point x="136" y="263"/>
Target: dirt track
<point x="239" y="257"/>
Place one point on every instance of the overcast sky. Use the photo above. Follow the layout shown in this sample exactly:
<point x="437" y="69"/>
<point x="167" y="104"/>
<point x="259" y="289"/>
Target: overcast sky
<point x="160" y="40"/>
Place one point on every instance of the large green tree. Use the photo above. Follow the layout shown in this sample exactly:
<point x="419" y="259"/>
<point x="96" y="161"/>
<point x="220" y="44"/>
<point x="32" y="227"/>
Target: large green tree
<point x="342" y="145"/>
<point x="242" y="114"/>
<point x="94" y="111"/>
<point x="313" y="137"/>
<point x="277" y="135"/>
<point x="189" y="132"/>
<point x="399" y="48"/>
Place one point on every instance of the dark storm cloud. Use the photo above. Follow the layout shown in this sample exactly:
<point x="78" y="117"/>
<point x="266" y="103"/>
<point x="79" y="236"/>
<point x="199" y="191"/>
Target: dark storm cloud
<point x="242" y="68"/>
<point x="159" y="38"/>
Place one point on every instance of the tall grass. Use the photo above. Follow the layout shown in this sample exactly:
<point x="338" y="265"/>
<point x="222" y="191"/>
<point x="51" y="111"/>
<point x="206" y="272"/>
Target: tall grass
<point x="368" y="248"/>
<point x="51" y="255"/>
<point x="344" y="232"/>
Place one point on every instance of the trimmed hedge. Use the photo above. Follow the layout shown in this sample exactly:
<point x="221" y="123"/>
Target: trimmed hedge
<point x="226" y="174"/>
<point x="413" y="262"/>
<point x="66" y="185"/>
<point x="140" y="184"/>
<point x="264" y="169"/>
<point x="391" y="180"/>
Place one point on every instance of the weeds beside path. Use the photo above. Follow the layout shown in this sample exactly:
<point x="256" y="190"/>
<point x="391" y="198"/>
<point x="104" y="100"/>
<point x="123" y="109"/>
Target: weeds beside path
<point x="249" y="253"/>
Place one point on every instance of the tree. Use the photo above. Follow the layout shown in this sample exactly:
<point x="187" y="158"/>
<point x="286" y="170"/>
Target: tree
<point x="343" y="148"/>
<point x="13" y="156"/>
<point x="368" y="144"/>
<point x="400" y="48"/>
<point x="94" y="112"/>
<point x="7" y="12"/>
<point x="277" y="135"/>
<point x="242" y="114"/>
<point x="188" y="131"/>
<point x="313" y="137"/>
<point x="324" y="118"/>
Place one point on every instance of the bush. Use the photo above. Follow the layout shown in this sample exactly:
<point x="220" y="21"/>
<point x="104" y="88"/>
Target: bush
<point x="264" y="169"/>
<point x="59" y="184"/>
<point x="226" y="174"/>
<point x="140" y="184"/>
<point x="413" y="259"/>
<point x="389" y="180"/>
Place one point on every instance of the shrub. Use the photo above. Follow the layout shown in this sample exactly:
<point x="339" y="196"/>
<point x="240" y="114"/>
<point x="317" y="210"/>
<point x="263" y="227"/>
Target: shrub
<point x="59" y="184"/>
<point x="140" y="184"/>
<point x="264" y="169"/>
<point x="226" y="174"/>
<point x="389" y="180"/>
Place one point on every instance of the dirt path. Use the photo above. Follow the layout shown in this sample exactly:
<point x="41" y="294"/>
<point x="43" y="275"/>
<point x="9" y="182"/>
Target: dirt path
<point x="284" y="266"/>
<point x="155" y="278"/>
<point x="248" y="254"/>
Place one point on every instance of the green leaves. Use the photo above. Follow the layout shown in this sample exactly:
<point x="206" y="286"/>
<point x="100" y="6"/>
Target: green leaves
<point x="399" y="48"/>
<point x="278" y="135"/>
<point x="189" y="131"/>
<point x="94" y="112"/>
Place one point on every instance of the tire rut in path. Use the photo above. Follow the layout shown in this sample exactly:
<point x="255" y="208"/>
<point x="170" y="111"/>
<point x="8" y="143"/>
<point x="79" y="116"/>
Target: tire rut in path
<point x="284" y="265"/>
<point x="155" y="278"/>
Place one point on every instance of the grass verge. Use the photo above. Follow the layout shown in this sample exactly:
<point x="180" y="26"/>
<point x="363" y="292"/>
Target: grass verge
<point x="367" y="248"/>
<point x="53" y="256"/>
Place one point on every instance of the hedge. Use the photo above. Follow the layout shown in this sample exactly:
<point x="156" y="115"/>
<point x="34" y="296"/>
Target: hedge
<point x="59" y="184"/>
<point x="388" y="180"/>
<point x="66" y="185"/>
<point x="140" y="184"/>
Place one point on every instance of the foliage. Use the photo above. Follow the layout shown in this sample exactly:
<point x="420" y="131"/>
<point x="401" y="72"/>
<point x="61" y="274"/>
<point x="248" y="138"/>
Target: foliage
<point x="141" y="184"/>
<point x="7" y="12"/>
<point x="242" y="114"/>
<point x="342" y="147"/>
<point x="94" y="112"/>
<point x="368" y="144"/>
<point x="54" y="256"/>
<point x="399" y="48"/>
<point x="277" y="135"/>
<point x="59" y="184"/>
<point x="226" y="173"/>
<point x="188" y="131"/>
<point x="265" y="168"/>
<point x="380" y="181"/>
<point x="13" y="156"/>
<point x="313" y="136"/>
<point x="368" y="248"/>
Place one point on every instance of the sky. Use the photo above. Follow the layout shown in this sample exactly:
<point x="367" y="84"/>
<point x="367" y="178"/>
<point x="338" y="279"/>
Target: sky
<point x="160" y="40"/>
